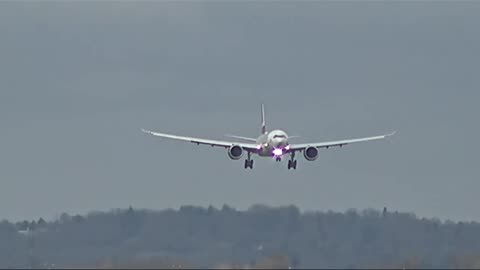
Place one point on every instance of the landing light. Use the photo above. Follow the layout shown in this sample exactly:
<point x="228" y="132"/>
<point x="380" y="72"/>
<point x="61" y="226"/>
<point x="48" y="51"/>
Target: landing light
<point x="277" y="152"/>
<point x="287" y="147"/>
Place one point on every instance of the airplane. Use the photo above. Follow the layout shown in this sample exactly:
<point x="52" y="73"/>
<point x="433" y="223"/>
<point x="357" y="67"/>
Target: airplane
<point x="273" y="143"/>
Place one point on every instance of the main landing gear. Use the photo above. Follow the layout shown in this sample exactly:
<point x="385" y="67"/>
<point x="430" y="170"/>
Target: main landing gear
<point x="249" y="162"/>
<point x="292" y="163"/>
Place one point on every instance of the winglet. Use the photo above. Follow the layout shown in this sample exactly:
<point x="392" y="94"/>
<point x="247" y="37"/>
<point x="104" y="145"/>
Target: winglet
<point x="146" y="131"/>
<point x="390" y="134"/>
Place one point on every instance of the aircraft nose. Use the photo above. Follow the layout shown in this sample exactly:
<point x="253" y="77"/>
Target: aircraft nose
<point x="280" y="141"/>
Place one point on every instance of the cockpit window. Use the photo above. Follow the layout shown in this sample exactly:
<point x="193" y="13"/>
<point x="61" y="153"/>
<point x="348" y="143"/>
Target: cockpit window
<point x="278" y="136"/>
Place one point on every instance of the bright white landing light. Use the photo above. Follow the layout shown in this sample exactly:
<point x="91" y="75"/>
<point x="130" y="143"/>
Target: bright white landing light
<point x="277" y="152"/>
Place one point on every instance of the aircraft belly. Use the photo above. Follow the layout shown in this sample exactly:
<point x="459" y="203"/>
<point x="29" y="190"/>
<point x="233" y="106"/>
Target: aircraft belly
<point x="265" y="152"/>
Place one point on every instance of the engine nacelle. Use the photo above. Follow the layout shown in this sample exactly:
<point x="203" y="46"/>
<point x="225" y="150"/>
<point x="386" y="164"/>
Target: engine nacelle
<point x="235" y="152"/>
<point x="310" y="153"/>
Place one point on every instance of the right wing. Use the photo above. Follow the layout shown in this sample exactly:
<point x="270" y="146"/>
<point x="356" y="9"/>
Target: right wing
<point x="297" y="147"/>
<point x="225" y="144"/>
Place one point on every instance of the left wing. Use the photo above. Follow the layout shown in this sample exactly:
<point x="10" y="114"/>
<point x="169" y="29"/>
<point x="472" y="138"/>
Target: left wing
<point x="225" y="144"/>
<point x="297" y="147"/>
<point x="242" y="138"/>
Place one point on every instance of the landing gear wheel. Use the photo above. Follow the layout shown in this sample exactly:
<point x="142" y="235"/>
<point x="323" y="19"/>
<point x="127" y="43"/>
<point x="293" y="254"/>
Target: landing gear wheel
<point x="248" y="164"/>
<point x="292" y="164"/>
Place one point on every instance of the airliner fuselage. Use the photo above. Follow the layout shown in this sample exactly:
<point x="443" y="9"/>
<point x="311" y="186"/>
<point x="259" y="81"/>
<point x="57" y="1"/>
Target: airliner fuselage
<point x="273" y="144"/>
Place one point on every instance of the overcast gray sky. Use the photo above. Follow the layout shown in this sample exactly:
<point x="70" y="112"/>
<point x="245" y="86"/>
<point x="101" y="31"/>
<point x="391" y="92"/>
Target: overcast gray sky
<point x="79" y="80"/>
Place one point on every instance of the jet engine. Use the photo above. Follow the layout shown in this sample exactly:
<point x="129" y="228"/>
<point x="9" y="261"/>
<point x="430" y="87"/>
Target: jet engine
<point x="310" y="153"/>
<point x="235" y="152"/>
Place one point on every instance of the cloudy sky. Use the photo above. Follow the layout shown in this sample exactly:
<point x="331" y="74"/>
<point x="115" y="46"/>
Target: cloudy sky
<point x="79" y="80"/>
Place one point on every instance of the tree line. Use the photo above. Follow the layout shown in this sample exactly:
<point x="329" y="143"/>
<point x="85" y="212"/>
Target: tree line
<point x="260" y="237"/>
